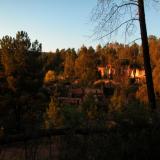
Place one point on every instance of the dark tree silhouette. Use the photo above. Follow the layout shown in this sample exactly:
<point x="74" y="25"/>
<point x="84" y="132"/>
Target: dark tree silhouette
<point x="146" y="56"/>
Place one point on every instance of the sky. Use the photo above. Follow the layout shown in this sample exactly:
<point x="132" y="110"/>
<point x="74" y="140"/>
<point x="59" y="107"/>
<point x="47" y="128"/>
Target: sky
<point x="60" y="23"/>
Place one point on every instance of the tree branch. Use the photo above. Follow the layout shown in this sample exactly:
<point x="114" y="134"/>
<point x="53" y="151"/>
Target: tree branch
<point x="133" y="19"/>
<point x="114" y="12"/>
<point x="134" y="41"/>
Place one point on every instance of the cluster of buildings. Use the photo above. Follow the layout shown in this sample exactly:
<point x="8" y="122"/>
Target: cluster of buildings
<point x="109" y="72"/>
<point x="76" y="96"/>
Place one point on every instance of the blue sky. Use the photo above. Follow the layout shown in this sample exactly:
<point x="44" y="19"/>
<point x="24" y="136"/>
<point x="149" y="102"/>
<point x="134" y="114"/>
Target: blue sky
<point x="59" y="23"/>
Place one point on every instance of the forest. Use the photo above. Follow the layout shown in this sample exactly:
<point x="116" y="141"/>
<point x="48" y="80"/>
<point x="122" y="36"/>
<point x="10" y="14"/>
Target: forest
<point x="88" y="90"/>
<point x="91" y="103"/>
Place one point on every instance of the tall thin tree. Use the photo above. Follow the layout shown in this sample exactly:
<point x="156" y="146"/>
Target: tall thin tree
<point x="146" y="56"/>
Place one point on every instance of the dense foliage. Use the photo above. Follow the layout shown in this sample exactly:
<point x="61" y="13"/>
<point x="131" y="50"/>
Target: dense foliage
<point x="33" y="85"/>
<point x="30" y="77"/>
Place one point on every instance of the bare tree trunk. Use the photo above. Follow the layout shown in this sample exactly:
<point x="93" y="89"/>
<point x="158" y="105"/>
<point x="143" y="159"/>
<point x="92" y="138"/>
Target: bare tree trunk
<point x="146" y="56"/>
